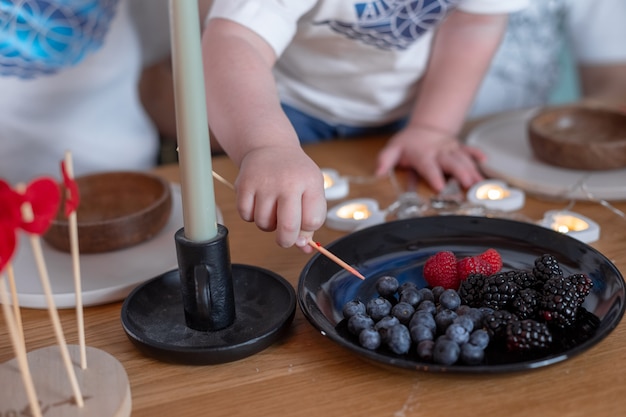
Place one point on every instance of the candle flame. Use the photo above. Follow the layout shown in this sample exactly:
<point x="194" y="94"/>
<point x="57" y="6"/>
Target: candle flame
<point x="492" y="192"/>
<point x="567" y="223"/>
<point x="354" y="211"/>
<point x="328" y="181"/>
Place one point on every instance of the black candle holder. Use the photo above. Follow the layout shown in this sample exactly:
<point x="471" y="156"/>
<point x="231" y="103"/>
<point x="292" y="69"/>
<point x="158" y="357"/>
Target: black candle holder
<point x="208" y="311"/>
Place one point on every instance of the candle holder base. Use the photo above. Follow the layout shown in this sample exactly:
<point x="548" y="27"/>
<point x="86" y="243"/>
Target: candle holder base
<point x="154" y="320"/>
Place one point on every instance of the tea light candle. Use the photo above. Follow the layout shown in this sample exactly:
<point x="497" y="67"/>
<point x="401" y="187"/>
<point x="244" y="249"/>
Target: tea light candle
<point x="335" y="186"/>
<point x="572" y="224"/>
<point x="354" y="214"/>
<point x="496" y="195"/>
<point x="194" y="149"/>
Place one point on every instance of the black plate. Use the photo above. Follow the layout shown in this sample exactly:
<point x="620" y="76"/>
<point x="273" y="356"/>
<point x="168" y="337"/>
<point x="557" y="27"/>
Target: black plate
<point x="401" y="247"/>
<point x="154" y="320"/>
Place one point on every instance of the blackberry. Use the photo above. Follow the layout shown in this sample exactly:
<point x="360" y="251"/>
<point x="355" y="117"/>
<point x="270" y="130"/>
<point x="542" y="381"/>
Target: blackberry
<point x="497" y="321"/>
<point x="523" y="278"/>
<point x="526" y="304"/>
<point x="583" y="285"/>
<point x="499" y="290"/>
<point x="527" y="335"/>
<point x="559" y="302"/>
<point x="546" y="266"/>
<point x="584" y="328"/>
<point x="471" y="290"/>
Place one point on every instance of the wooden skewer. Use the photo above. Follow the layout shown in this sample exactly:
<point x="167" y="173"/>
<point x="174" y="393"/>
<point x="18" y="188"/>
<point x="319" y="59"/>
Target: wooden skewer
<point x="317" y="246"/>
<point x="73" y="231"/>
<point x="19" y="348"/>
<point x="15" y="301"/>
<point x="35" y="243"/>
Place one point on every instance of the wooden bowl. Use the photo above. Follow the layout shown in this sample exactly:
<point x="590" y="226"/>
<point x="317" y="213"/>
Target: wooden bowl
<point x="117" y="210"/>
<point x="579" y="137"/>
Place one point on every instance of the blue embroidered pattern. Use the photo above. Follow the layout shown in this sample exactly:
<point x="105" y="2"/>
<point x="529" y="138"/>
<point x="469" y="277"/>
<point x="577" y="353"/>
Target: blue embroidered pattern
<point x="43" y="36"/>
<point x="393" y="24"/>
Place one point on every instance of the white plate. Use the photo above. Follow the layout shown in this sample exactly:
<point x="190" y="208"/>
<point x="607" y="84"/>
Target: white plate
<point x="509" y="157"/>
<point x="105" y="277"/>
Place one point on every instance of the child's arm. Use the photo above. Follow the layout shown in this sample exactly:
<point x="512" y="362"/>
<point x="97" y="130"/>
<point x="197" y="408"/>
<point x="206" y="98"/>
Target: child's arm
<point x="462" y="50"/>
<point x="279" y="187"/>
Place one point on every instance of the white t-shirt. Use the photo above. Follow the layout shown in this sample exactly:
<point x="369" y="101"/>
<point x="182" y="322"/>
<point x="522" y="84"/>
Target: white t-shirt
<point x="350" y="62"/>
<point x="526" y="67"/>
<point x="80" y="94"/>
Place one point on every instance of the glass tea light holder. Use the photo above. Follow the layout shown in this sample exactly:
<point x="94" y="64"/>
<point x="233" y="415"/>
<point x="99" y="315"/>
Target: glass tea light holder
<point x="336" y="187"/>
<point x="572" y="224"/>
<point x="355" y="214"/>
<point x="496" y="195"/>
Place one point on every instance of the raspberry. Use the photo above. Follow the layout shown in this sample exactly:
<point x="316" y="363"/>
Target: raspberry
<point x="440" y="270"/>
<point x="493" y="258"/>
<point x="472" y="265"/>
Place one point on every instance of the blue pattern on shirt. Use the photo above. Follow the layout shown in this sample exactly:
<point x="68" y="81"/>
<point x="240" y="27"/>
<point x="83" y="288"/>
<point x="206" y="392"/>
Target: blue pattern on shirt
<point x="43" y="36"/>
<point x="393" y="24"/>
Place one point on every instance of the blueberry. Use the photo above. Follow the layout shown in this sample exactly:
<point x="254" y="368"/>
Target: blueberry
<point x="387" y="286"/>
<point x="457" y="333"/>
<point x="398" y="339"/>
<point x="446" y="351"/>
<point x="424" y="318"/>
<point x="437" y="291"/>
<point x="465" y="321"/>
<point x="477" y="316"/>
<point x="377" y="308"/>
<point x="471" y="354"/>
<point x="463" y="309"/>
<point x="403" y="311"/>
<point x="385" y="324"/>
<point x="410" y="295"/>
<point x="420" y="333"/>
<point x="407" y="285"/>
<point x="444" y="318"/>
<point x="450" y="299"/>
<point x="352" y="307"/>
<point x="428" y="306"/>
<point x="425" y="350"/>
<point x="369" y="339"/>
<point x="359" y="322"/>
<point x="480" y="338"/>
<point x="427" y="294"/>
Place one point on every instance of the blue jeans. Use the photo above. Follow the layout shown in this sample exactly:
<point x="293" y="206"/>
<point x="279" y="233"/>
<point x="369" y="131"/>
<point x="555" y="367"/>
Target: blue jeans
<point x="312" y="130"/>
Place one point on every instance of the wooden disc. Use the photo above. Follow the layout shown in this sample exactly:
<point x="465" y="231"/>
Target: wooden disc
<point x="104" y="385"/>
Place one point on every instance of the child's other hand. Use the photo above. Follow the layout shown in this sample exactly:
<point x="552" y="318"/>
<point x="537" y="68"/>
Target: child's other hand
<point x="433" y="154"/>
<point x="281" y="189"/>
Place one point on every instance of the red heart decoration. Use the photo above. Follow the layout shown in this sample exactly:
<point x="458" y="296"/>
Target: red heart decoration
<point x="43" y="194"/>
<point x="10" y="219"/>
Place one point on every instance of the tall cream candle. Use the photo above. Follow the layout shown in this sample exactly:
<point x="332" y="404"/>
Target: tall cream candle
<point x="194" y="149"/>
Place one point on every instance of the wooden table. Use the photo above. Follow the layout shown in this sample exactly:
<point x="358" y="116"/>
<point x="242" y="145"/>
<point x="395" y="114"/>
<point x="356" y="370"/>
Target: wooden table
<point x="305" y="374"/>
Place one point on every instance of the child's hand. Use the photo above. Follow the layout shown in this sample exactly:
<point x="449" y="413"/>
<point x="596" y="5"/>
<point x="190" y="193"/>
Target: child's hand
<point x="280" y="188"/>
<point x="433" y="154"/>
